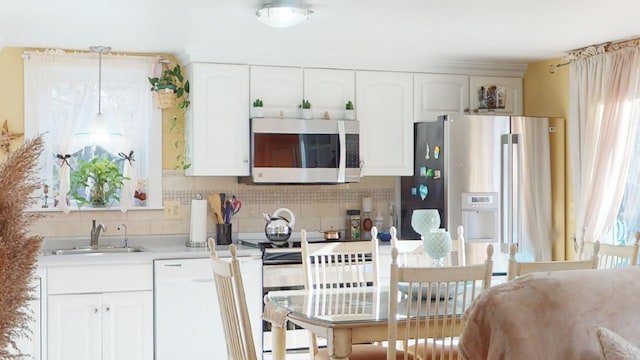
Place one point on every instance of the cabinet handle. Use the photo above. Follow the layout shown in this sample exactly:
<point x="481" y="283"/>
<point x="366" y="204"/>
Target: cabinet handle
<point x="173" y="265"/>
<point x="95" y="310"/>
<point x="108" y="309"/>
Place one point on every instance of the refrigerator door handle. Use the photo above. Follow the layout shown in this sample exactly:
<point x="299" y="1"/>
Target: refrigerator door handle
<point x="517" y="193"/>
<point x="504" y="204"/>
<point x="509" y="182"/>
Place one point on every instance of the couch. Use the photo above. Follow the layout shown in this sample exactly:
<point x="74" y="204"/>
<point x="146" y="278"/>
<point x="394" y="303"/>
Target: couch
<point x="554" y="315"/>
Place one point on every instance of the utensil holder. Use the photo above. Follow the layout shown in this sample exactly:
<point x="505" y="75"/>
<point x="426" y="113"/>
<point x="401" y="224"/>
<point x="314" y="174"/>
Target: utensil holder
<point x="223" y="234"/>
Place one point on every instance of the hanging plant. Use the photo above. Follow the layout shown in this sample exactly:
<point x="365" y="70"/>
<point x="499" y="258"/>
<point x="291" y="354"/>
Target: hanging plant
<point x="170" y="88"/>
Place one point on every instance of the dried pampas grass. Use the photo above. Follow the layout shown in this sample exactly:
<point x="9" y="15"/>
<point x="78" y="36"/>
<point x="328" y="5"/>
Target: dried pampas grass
<point x="18" y="252"/>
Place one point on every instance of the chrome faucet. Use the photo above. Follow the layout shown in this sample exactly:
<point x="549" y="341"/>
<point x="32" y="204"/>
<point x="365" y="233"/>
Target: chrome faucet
<point x="126" y="238"/>
<point x="95" y="233"/>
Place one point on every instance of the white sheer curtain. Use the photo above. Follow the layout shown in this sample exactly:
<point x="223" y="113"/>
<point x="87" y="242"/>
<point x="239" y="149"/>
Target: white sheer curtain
<point x="61" y="99"/>
<point x="603" y="116"/>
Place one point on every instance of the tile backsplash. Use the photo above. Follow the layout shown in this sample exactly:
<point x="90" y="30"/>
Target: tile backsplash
<point x="316" y="207"/>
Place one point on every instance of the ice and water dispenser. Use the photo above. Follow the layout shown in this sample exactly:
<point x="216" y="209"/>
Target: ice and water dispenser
<point x="481" y="222"/>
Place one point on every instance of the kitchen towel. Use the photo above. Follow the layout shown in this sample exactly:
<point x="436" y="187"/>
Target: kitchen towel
<point x="198" y="221"/>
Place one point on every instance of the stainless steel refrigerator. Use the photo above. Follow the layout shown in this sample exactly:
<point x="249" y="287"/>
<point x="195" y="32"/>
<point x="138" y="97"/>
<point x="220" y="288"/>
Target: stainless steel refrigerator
<point x="491" y="174"/>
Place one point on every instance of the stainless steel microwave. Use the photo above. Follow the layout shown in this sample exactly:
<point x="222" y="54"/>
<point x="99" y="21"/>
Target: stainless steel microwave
<point x="297" y="151"/>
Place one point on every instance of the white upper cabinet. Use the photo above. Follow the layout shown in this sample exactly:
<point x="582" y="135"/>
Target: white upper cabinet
<point x="499" y="95"/>
<point x="439" y="94"/>
<point x="384" y="102"/>
<point x="217" y="122"/>
<point x="328" y="91"/>
<point x="280" y="89"/>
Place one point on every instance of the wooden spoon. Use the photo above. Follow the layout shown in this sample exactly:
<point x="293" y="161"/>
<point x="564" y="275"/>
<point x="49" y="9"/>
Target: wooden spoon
<point x="216" y="205"/>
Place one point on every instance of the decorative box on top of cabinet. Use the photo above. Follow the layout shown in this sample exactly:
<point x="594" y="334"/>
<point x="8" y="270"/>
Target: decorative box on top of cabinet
<point x="101" y="312"/>
<point x="217" y="122"/>
<point x="280" y="89"/>
<point x="495" y="95"/>
<point x="328" y="90"/>
<point x="385" y="111"/>
<point x="439" y="94"/>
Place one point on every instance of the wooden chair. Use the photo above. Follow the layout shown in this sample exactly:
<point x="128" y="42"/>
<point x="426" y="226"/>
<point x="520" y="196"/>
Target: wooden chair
<point x="612" y="256"/>
<point x="517" y="268"/>
<point x="438" y="296"/>
<point x="412" y="253"/>
<point x="233" y="305"/>
<point x="331" y="264"/>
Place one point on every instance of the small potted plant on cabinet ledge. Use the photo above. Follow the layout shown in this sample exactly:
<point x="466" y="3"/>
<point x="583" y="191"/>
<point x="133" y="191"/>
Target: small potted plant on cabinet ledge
<point x="349" y="112"/>
<point x="257" y="110"/>
<point x="306" y="109"/>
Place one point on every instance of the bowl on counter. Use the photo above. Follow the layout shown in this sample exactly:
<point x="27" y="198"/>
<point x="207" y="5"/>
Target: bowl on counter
<point x="332" y="234"/>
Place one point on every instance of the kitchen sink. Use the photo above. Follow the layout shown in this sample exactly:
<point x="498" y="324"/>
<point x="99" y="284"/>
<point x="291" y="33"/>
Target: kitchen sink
<point x="90" y="250"/>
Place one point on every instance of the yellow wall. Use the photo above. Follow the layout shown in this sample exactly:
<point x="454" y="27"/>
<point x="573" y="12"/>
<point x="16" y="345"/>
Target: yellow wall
<point x="12" y="105"/>
<point x="547" y="94"/>
<point x="12" y="93"/>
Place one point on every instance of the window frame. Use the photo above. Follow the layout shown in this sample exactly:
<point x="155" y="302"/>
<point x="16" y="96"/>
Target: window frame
<point x="35" y="125"/>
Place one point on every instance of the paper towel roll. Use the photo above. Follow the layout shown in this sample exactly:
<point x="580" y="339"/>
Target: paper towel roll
<point x="198" y="221"/>
<point x="367" y="204"/>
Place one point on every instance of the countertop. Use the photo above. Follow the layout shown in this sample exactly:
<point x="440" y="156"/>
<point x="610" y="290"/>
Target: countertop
<point x="155" y="247"/>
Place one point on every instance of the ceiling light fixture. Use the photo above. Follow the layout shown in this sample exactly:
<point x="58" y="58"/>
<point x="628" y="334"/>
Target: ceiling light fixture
<point x="98" y="130"/>
<point x="282" y="13"/>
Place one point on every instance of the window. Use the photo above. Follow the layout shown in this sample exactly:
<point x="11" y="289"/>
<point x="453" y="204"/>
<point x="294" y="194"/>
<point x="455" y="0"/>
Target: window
<point x="61" y="100"/>
<point x="628" y="221"/>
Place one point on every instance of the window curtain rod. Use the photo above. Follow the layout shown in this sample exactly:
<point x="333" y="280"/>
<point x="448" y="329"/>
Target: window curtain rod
<point x="581" y="53"/>
<point x="85" y="54"/>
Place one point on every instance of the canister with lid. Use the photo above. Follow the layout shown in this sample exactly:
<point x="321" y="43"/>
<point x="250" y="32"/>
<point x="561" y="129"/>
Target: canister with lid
<point x="353" y="225"/>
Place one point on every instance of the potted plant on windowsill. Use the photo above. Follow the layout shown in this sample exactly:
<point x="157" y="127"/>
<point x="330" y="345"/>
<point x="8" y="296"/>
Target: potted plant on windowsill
<point x="257" y="111"/>
<point x="96" y="182"/>
<point x="306" y="109"/>
<point x="349" y="112"/>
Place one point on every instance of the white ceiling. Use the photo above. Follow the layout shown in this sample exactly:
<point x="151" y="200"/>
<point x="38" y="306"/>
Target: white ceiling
<point x="375" y="34"/>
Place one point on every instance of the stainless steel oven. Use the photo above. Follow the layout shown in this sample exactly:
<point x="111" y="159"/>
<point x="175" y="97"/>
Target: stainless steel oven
<point x="282" y="270"/>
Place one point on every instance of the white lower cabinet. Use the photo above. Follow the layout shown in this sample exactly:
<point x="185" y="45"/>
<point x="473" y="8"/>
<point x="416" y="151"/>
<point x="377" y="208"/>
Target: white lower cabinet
<point x="100" y="313"/>
<point x="109" y="326"/>
<point x="32" y="345"/>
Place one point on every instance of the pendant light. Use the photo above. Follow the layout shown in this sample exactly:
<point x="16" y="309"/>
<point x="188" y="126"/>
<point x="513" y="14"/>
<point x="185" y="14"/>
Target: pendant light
<point x="98" y="129"/>
<point x="282" y="13"/>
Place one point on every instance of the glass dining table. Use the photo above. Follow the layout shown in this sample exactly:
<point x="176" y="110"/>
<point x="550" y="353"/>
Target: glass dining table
<point x="343" y="316"/>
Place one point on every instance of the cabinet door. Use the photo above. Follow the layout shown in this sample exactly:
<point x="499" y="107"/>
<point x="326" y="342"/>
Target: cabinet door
<point x="31" y="345"/>
<point x="217" y="122"/>
<point x="496" y="95"/>
<point x="280" y="89"/>
<point x="438" y="94"/>
<point x="385" y="112"/>
<point x="127" y="331"/>
<point x="328" y="91"/>
<point x="74" y="327"/>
